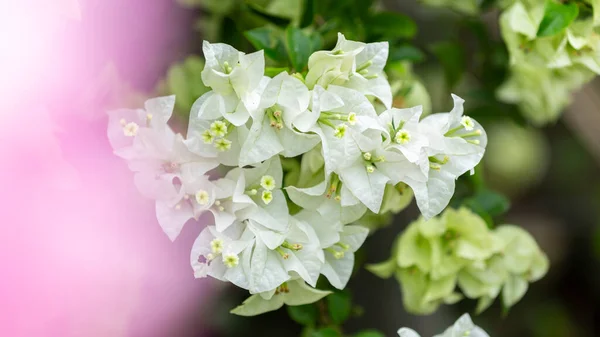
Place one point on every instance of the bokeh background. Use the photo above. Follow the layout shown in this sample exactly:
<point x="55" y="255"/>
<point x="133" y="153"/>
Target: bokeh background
<point x="84" y="252"/>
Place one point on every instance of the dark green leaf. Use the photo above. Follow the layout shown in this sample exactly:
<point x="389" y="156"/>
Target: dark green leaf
<point x="339" y="305"/>
<point x="261" y="38"/>
<point x="259" y="11"/>
<point x="326" y="332"/>
<point x="406" y="52"/>
<point x="299" y="47"/>
<point x="391" y="26"/>
<point x="308" y="331"/>
<point x="369" y="333"/>
<point x="316" y="42"/>
<point x="452" y="58"/>
<point x="492" y="202"/>
<point x="304" y="314"/>
<point x="557" y="17"/>
<point x="488" y="204"/>
<point x="268" y="39"/>
<point x="308" y="13"/>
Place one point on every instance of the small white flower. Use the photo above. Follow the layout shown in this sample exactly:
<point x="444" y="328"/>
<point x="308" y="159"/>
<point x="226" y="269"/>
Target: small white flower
<point x="202" y="197"/>
<point x="130" y="129"/>
<point x="351" y="118"/>
<point x="402" y="137"/>
<point x="218" y="128"/>
<point x="467" y="122"/>
<point x="267" y="182"/>
<point x="216" y="246"/>
<point x="208" y="137"/>
<point x="231" y="260"/>
<point x="267" y="197"/>
<point x="340" y="130"/>
<point x="223" y="144"/>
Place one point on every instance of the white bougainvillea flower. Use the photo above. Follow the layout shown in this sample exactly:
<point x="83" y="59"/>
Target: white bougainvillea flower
<point x="337" y="114"/>
<point x="272" y="258"/>
<point x="463" y="327"/>
<point x="192" y="198"/>
<point x="294" y="292"/>
<point x="368" y="76"/>
<point x="403" y="132"/>
<point x="159" y="159"/>
<point x="364" y="180"/>
<point x="452" y="151"/>
<point x="234" y="76"/>
<point x="211" y="135"/>
<point x="269" y="206"/>
<point x="277" y="257"/>
<point x="329" y="198"/>
<point x="273" y="131"/>
<point x="215" y="253"/>
<point x="339" y="257"/>
<point x="124" y="124"/>
<point x="327" y="231"/>
<point x="335" y="66"/>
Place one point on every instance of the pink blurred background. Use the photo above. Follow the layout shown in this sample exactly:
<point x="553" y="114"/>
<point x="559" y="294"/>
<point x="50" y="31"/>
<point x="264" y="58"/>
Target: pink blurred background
<point x="84" y="252"/>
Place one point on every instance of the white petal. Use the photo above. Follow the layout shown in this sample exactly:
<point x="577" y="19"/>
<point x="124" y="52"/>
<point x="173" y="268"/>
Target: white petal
<point x="161" y="109"/>
<point x="354" y="236"/>
<point x="295" y="143"/>
<point x="434" y="195"/>
<point x="262" y="143"/>
<point x="172" y="219"/>
<point x="406" y="332"/>
<point x="266" y="269"/>
<point x="338" y="271"/>
<point x="367" y="187"/>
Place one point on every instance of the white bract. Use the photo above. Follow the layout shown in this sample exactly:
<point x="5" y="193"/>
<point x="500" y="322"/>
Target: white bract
<point x="300" y="160"/>
<point x="463" y="327"/>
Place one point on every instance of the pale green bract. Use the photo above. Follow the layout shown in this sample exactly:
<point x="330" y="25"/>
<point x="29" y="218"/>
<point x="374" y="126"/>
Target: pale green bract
<point x="431" y="258"/>
<point x="546" y="70"/>
<point x="463" y="327"/>
<point x="303" y="159"/>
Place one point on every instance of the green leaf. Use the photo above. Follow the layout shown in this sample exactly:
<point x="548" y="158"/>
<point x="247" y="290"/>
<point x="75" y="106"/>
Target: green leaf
<point x="339" y="305"/>
<point x="452" y="58"/>
<point x="391" y="26"/>
<point x="268" y="39"/>
<point x="493" y="203"/>
<point x="326" y="332"/>
<point x="557" y="17"/>
<point x="260" y="38"/>
<point x="369" y="333"/>
<point x="406" y="52"/>
<point x="274" y="71"/>
<point x="263" y="13"/>
<point x="182" y="81"/>
<point x="303" y="314"/>
<point x="299" y="47"/>
<point x="308" y="13"/>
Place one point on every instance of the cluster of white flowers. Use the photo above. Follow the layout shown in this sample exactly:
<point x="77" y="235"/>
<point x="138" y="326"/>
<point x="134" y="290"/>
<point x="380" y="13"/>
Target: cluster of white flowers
<point x="326" y="119"/>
